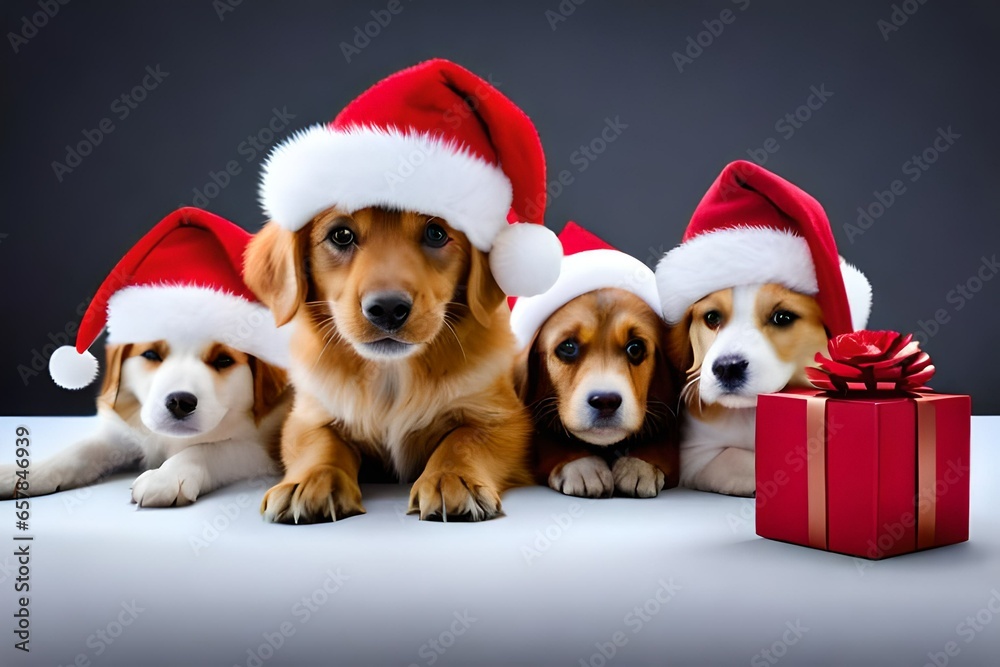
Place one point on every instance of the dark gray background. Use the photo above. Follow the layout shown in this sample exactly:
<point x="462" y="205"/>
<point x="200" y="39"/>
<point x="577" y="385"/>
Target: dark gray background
<point x="606" y="60"/>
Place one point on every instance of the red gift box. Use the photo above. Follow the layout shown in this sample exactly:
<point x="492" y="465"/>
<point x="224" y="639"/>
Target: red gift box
<point x="869" y="474"/>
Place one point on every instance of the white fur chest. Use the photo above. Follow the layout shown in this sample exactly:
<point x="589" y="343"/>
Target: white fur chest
<point x="733" y="428"/>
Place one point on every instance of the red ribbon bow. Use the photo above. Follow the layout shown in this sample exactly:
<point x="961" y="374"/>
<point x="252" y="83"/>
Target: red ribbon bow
<point x="872" y="361"/>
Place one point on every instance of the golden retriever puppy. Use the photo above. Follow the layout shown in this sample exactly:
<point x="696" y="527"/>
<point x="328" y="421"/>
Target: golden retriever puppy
<point x="401" y="353"/>
<point x="603" y="395"/>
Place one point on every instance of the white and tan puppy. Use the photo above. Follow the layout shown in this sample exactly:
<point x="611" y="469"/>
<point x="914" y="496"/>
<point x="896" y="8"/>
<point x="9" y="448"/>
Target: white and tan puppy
<point x="753" y="292"/>
<point x="194" y="416"/>
<point x="735" y="344"/>
<point x="194" y="390"/>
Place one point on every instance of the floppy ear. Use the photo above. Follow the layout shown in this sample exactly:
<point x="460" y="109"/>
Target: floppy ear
<point x="269" y="386"/>
<point x="483" y="294"/>
<point x="275" y="269"/>
<point x="667" y="377"/>
<point x="681" y="347"/>
<point x="531" y="379"/>
<point x="114" y="355"/>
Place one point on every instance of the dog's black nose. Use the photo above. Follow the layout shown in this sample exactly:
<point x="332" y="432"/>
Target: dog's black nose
<point x="181" y="404"/>
<point x="387" y="310"/>
<point x="731" y="371"/>
<point x="606" y="403"/>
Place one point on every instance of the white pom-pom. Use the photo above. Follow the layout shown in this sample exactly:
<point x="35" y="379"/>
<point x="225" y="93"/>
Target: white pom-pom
<point x="859" y="294"/>
<point x="71" y="370"/>
<point x="525" y="259"/>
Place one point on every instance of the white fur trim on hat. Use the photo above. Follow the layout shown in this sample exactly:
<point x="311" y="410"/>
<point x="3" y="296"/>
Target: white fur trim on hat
<point x="71" y="370"/>
<point x="525" y="259"/>
<point x="737" y="256"/>
<point x="748" y="256"/>
<point x="321" y="167"/>
<point x="189" y="313"/>
<point x="581" y="273"/>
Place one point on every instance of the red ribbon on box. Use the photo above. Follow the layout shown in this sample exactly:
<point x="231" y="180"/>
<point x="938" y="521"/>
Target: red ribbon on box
<point x="877" y="477"/>
<point x="926" y="470"/>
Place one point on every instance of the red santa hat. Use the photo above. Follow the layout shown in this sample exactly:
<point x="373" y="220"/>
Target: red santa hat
<point x="754" y="227"/>
<point x="436" y="139"/>
<point x="588" y="264"/>
<point x="183" y="280"/>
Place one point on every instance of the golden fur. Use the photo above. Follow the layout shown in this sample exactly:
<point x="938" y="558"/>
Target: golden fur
<point x="446" y="414"/>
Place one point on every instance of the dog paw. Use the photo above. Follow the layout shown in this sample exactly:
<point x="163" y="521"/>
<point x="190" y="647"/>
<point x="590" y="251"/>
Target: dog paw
<point x="8" y="480"/>
<point x="588" y="477"/>
<point x="636" y="478"/>
<point x="163" y="487"/>
<point x="447" y="496"/>
<point x="324" y="493"/>
<point x="744" y="487"/>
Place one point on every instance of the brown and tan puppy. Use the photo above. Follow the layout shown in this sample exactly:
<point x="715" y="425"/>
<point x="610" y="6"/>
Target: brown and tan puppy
<point x="603" y="396"/>
<point x="401" y="352"/>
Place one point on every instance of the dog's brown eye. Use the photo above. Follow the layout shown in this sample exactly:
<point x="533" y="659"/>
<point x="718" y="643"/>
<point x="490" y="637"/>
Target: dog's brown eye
<point x="568" y="350"/>
<point x="151" y="355"/>
<point x="713" y="319"/>
<point x="783" y="318"/>
<point x="435" y="236"/>
<point x="636" y="351"/>
<point x="222" y="361"/>
<point x="341" y="237"/>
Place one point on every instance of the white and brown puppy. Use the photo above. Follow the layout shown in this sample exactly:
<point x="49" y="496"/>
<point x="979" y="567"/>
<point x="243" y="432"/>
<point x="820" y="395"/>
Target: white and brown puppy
<point x="194" y="415"/>
<point x="753" y="293"/>
<point x="735" y="344"/>
<point x="193" y="392"/>
<point x="593" y="369"/>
